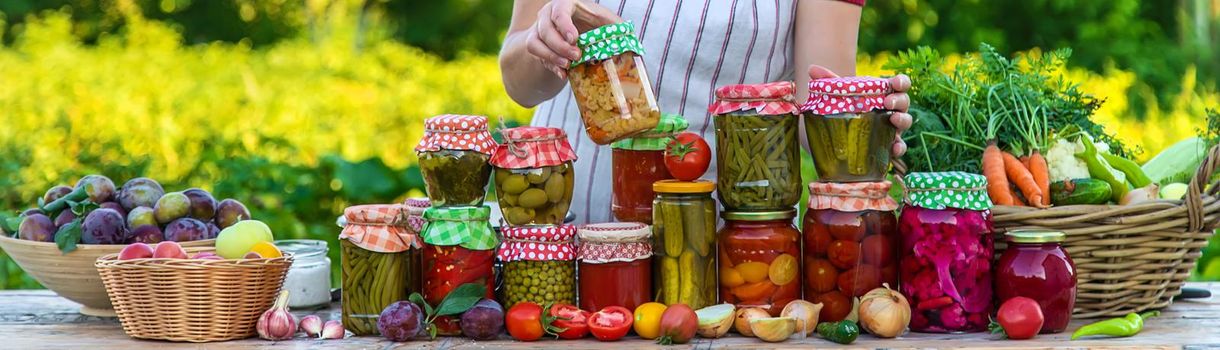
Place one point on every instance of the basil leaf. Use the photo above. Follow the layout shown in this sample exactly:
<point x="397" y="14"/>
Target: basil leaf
<point x="461" y="299"/>
<point x="67" y="236"/>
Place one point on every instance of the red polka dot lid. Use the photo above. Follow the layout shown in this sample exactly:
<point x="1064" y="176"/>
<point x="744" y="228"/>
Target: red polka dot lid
<point x="456" y="132"/>
<point x="537" y="243"/>
<point x="846" y="95"/>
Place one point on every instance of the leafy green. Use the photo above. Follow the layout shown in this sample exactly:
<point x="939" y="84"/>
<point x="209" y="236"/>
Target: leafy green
<point x="457" y="301"/>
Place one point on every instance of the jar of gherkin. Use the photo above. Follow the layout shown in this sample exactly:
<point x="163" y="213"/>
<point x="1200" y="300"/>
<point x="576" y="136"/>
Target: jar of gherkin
<point x="453" y="157"/>
<point x="684" y="243"/>
<point x="638" y="162"/>
<point x="380" y="263"/>
<point x="849" y="129"/>
<point x="539" y="264"/>
<point x="534" y="175"/>
<point x="461" y="248"/>
<point x="758" y="163"/>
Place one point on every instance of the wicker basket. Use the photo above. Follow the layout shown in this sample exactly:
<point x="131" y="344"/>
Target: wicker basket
<point x="1129" y="258"/>
<point x="192" y="300"/>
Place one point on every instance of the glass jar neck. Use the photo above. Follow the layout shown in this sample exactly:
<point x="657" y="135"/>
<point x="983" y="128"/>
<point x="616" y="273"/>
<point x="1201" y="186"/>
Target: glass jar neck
<point x="777" y="223"/>
<point x="683" y="196"/>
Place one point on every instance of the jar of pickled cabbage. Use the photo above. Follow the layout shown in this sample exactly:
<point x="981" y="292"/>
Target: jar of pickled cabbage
<point x="758" y="159"/>
<point x="461" y="248"/>
<point x="947" y="251"/>
<point x="684" y="243"/>
<point x="534" y="175"/>
<point x="637" y="163"/>
<point x="453" y="157"/>
<point x="849" y="129"/>
<point x="1035" y="266"/>
<point x="615" y="265"/>
<point x="850" y="245"/>
<point x="381" y="259"/>
<point x="539" y="264"/>
<point x="611" y="86"/>
<point x="760" y="259"/>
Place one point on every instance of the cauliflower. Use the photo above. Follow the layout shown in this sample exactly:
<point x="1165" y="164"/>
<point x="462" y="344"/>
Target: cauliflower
<point x="1062" y="161"/>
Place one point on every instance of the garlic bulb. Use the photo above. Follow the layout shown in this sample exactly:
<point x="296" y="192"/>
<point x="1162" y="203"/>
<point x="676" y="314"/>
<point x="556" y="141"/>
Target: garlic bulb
<point x="277" y="323"/>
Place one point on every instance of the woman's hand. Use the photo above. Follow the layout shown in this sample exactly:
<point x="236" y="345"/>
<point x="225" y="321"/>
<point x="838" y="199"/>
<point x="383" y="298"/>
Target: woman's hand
<point x="896" y="101"/>
<point x="552" y="38"/>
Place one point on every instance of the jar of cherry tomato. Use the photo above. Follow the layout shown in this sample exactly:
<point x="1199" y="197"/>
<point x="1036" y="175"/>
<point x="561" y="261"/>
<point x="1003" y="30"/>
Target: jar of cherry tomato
<point x="684" y="242"/>
<point x="380" y="263"/>
<point x="615" y="265"/>
<point x="610" y="84"/>
<point x="760" y="259"/>
<point x="539" y="264"/>
<point x="758" y="157"/>
<point x="1035" y="266"/>
<point x="534" y="175"/>
<point x="638" y="162"/>
<point x="851" y="243"/>
<point x="461" y="248"/>
<point x="947" y="251"/>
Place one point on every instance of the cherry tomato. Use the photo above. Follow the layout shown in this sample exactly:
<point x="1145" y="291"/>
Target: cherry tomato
<point x="571" y="319"/>
<point x="1020" y="318"/>
<point x="687" y="156"/>
<point x="844" y="254"/>
<point x="846" y="226"/>
<point x="610" y="323"/>
<point x="817" y="238"/>
<point x="524" y="321"/>
<point x="877" y="250"/>
<point x="820" y="275"/>
<point x="835" y="306"/>
<point x="859" y="280"/>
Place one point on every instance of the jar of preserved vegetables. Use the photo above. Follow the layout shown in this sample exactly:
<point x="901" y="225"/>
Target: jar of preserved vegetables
<point x="848" y="128"/>
<point x="534" y="175"/>
<point x="638" y="162"/>
<point x="684" y="242"/>
<point x="461" y="248"/>
<point x="611" y="86"/>
<point x="380" y="260"/>
<point x="760" y="259"/>
<point x="851" y="243"/>
<point x="539" y="264"/>
<point x="946" y="252"/>
<point x="1035" y="266"/>
<point x="453" y="157"/>
<point x="758" y="163"/>
<point x="615" y="265"/>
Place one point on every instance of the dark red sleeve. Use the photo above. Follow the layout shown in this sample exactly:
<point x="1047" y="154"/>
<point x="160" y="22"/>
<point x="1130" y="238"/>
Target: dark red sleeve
<point x="857" y="2"/>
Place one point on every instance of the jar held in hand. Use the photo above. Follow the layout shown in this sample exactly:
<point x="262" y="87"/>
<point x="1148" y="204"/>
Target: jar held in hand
<point x="611" y="86"/>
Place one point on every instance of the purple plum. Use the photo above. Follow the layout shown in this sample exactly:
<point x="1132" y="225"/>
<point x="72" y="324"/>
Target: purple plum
<point x="64" y="218"/>
<point x="140" y="192"/>
<point x="104" y="226"/>
<point x="32" y="211"/>
<point x="171" y="206"/>
<point x="203" y="205"/>
<point x="229" y="212"/>
<point x="99" y="188"/>
<point x="150" y="234"/>
<point x="484" y="321"/>
<point x="140" y="216"/>
<point x="401" y="321"/>
<point x="186" y="229"/>
<point x="55" y="192"/>
<point x="37" y="227"/>
<point x="114" y="206"/>
<point x="213" y="230"/>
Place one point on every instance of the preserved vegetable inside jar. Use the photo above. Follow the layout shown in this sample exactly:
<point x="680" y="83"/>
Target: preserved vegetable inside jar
<point x="539" y="264"/>
<point x="380" y="263"/>
<point x="615" y="265"/>
<point x="684" y="243"/>
<point x="534" y="177"/>
<point x="637" y="163"/>
<point x="849" y="132"/>
<point x="850" y="243"/>
<point x="453" y="156"/>
<point x="1035" y="266"/>
<point x="758" y="162"/>
<point x="760" y="260"/>
<point x="611" y="86"/>
<point x="461" y="248"/>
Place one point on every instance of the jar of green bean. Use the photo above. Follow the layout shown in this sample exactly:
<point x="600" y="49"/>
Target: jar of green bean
<point x="849" y="129"/>
<point x="380" y="263"/>
<point x="758" y="161"/>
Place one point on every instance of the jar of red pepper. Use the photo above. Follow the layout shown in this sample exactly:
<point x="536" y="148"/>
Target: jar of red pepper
<point x="1036" y="266"/>
<point x="851" y="243"/>
<point x="461" y="248"/>
<point x="615" y="265"/>
<point x="638" y="162"/>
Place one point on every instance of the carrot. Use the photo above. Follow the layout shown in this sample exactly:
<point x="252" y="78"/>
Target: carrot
<point x="1042" y="175"/>
<point x="1024" y="180"/>
<point x="993" y="170"/>
<point x="1025" y="161"/>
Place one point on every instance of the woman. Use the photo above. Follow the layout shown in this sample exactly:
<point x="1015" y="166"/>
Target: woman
<point x="691" y="47"/>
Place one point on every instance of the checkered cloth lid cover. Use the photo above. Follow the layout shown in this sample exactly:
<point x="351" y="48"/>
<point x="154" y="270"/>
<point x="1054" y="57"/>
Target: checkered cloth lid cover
<point x="953" y="189"/>
<point x="846" y="95"/>
<point x="769" y="99"/>
<point x="852" y="196"/>
<point x="456" y="132"/>
<point x="380" y="228"/>
<point x="532" y="147"/>
<point x="537" y="243"/>
<point x="467" y="227"/>
<point x="415" y="212"/>
<point x="614" y="242"/>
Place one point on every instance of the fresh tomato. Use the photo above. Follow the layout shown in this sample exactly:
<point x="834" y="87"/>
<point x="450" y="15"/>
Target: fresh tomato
<point x="678" y="325"/>
<point x="835" y="306"/>
<point x="610" y="323"/>
<point x="648" y="320"/>
<point x="526" y="322"/>
<point x="1018" y="318"/>
<point x="571" y="319"/>
<point x="687" y="156"/>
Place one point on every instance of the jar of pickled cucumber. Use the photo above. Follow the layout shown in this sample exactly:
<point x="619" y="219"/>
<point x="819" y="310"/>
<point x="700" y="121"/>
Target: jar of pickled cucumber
<point x="615" y="265"/>
<point x="851" y="243"/>
<point x="758" y="162"/>
<point x="381" y="259"/>
<point x="638" y="162"/>
<point x="760" y="259"/>
<point x="539" y="264"/>
<point x="534" y="175"/>
<point x="684" y="242"/>
<point x="453" y="157"/>
<point x="461" y="248"/>
<point x="849" y="129"/>
<point x="611" y="86"/>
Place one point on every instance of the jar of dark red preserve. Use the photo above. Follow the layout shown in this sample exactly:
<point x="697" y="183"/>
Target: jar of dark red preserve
<point x="1035" y="266"/>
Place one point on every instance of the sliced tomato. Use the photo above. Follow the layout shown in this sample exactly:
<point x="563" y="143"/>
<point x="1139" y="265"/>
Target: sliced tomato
<point x="610" y="323"/>
<point x="571" y="319"/>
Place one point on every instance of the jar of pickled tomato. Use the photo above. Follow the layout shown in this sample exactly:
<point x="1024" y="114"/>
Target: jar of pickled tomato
<point x="637" y="163"/>
<point x="851" y="243"/>
<point x="461" y="248"/>
<point x="615" y="265"/>
<point x="760" y="259"/>
<point x="1035" y="266"/>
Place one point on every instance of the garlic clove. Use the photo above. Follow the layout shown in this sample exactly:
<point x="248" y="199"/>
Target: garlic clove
<point x="277" y="323"/>
<point x="311" y="325"/>
<point x="333" y="330"/>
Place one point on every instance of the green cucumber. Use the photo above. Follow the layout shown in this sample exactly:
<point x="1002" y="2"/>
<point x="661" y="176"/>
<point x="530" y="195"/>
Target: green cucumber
<point x="1080" y="191"/>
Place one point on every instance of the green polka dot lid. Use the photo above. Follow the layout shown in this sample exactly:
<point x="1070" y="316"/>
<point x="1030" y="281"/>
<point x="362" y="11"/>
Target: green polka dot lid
<point x="607" y="41"/>
<point x="953" y="189"/>
<point x="657" y="138"/>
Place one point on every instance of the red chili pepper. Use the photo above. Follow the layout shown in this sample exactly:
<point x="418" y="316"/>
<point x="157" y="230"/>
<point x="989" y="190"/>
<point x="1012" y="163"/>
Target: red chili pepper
<point x="935" y="303"/>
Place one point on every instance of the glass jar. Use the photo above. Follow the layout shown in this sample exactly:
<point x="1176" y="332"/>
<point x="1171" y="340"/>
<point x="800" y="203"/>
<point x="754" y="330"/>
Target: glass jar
<point x="534" y="175"/>
<point x="1035" y="266"/>
<point x="461" y="249"/>
<point x="380" y="263"/>
<point x="946" y="252"/>
<point x="615" y="265"/>
<point x="539" y="264"/>
<point x="760" y="260"/>
<point x="611" y="86"/>
<point x="758" y="159"/>
<point x="453" y="157"/>
<point x="848" y="128"/>
<point x="684" y="243"/>
<point x="637" y="163"/>
<point x="850" y="243"/>
<point x="308" y="278"/>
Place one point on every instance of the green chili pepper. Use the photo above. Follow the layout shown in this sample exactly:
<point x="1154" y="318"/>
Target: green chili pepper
<point x="842" y="332"/>
<point x="1125" y="326"/>
<point x="1135" y="174"/>
<point x="1101" y="170"/>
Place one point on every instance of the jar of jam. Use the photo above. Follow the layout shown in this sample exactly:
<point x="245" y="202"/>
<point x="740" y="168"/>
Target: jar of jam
<point x="760" y="259"/>
<point x="946" y="253"/>
<point x="610" y="84"/>
<point x="539" y="264"/>
<point x="637" y="163"/>
<point x="758" y="158"/>
<point x="684" y="243"/>
<point x="380" y="263"/>
<point x="461" y="248"/>
<point x="848" y="128"/>
<point x="534" y="175"/>
<point x="1035" y="266"/>
<point x="453" y="157"/>
<point x="851" y="243"/>
<point x="615" y="265"/>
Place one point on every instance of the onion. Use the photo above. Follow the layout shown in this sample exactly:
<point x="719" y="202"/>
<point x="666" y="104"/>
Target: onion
<point x="884" y="312"/>
<point x="1142" y="194"/>
<point x="806" y="315"/>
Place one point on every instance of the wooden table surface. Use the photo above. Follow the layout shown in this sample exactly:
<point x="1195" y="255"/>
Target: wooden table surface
<point x="38" y="319"/>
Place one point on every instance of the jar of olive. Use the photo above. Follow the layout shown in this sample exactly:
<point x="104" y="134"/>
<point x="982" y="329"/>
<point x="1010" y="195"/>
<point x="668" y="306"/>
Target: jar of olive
<point x="453" y="157"/>
<point x="758" y="162"/>
<point x="684" y="243"/>
<point x="539" y="264"/>
<point x="380" y="263"/>
<point x="461" y="248"/>
<point x="534" y="175"/>
<point x="849" y="129"/>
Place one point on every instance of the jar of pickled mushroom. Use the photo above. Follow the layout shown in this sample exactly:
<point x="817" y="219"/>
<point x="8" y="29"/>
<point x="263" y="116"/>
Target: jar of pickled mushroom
<point x="684" y="242"/>
<point x="1035" y="266"/>
<point x="849" y="129"/>
<point x="380" y="263"/>
<point x="637" y="163"/>
<point x="611" y="86"/>
<point x="758" y="159"/>
<point x="539" y="264"/>
<point x="946" y="252"/>
<point x="534" y="175"/>
<point x="461" y="248"/>
<point x="615" y="265"/>
<point x="760" y="259"/>
<point x="453" y="157"/>
<point x="850" y="245"/>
